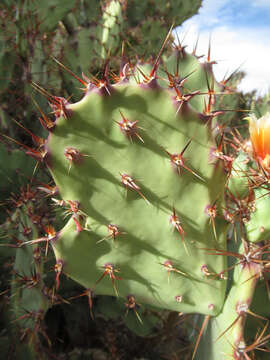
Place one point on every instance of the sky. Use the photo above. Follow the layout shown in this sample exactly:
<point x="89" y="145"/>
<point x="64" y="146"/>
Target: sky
<point x="240" y="37"/>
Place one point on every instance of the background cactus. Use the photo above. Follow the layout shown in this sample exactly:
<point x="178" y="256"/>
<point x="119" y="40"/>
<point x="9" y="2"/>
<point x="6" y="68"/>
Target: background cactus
<point x="29" y="296"/>
<point x="16" y="164"/>
<point x="261" y="105"/>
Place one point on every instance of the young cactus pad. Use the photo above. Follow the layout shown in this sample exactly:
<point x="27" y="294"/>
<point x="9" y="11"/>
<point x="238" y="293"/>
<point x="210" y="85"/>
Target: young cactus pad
<point x="132" y="162"/>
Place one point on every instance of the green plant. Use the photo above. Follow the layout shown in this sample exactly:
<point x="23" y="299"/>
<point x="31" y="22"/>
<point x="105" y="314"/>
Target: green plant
<point x="145" y="222"/>
<point x="159" y="192"/>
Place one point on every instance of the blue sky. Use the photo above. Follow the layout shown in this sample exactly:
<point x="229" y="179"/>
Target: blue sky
<point x="240" y="35"/>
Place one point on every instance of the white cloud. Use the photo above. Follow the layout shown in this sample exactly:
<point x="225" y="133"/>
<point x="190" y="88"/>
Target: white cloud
<point x="233" y="44"/>
<point x="232" y="47"/>
<point x="209" y="12"/>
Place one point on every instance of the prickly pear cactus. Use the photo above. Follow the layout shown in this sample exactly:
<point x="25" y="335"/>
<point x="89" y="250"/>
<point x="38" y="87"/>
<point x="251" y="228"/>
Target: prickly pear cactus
<point x="150" y="196"/>
<point x="150" y="192"/>
<point x="142" y="182"/>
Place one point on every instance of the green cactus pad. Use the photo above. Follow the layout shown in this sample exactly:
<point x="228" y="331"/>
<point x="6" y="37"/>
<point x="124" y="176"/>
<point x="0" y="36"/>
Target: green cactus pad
<point x="113" y="156"/>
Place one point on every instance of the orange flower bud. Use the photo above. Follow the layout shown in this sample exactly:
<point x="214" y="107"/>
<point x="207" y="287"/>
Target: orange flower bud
<point x="259" y="130"/>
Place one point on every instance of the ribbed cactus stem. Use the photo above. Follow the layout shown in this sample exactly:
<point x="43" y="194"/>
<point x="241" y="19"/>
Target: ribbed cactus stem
<point x="249" y="274"/>
<point x="29" y="302"/>
<point x="226" y="331"/>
